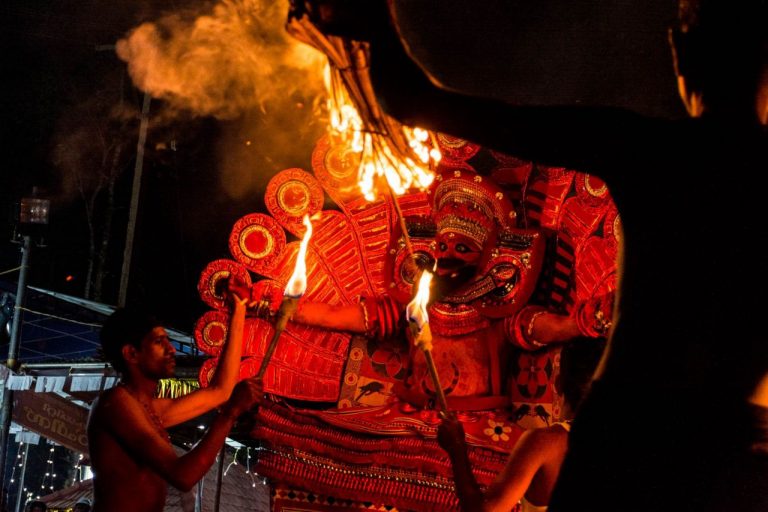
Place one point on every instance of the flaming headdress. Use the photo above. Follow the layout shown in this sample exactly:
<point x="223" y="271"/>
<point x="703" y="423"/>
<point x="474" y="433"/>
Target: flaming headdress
<point x="393" y="155"/>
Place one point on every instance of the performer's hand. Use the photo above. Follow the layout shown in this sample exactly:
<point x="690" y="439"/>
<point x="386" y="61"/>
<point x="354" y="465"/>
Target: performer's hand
<point x="594" y="316"/>
<point x="237" y="291"/>
<point x="450" y="433"/>
<point x="247" y="394"/>
<point x="551" y="327"/>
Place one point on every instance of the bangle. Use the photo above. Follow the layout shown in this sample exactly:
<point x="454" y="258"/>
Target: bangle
<point x="364" y="310"/>
<point x="529" y="330"/>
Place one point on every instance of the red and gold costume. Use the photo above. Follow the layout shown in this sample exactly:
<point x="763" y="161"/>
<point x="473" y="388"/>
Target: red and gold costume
<point x="378" y="443"/>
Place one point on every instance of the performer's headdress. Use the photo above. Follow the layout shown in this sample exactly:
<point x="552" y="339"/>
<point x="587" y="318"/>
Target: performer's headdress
<point x="471" y="205"/>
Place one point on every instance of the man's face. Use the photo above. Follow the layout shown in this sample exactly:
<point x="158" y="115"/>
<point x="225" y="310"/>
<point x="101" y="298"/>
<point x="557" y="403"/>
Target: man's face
<point x="156" y="355"/>
<point x="458" y="257"/>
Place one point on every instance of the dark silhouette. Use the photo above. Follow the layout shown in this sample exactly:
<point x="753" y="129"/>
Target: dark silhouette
<point x="672" y="422"/>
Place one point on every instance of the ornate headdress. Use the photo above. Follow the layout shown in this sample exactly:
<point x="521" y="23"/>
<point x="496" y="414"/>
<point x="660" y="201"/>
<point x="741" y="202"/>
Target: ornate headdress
<point x="469" y="204"/>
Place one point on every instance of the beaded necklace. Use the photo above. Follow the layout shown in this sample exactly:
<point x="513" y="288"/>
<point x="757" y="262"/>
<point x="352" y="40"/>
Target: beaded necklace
<point x="153" y="417"/>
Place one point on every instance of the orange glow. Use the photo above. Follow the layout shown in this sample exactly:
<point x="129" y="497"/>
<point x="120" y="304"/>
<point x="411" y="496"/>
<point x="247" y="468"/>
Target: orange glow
<point x="416" y="310"/>
<point x="297" y="284"/>
<point x="379" y="158"/>
<point x="69" y="278"/>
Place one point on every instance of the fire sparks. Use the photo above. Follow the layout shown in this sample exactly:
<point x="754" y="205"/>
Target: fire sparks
<point x="297" y="284"/>
<point x="416" y="310"/>
<point x="380" y="156"/>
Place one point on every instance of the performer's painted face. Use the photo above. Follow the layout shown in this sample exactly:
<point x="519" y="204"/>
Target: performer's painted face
<point x="458" y="257"/>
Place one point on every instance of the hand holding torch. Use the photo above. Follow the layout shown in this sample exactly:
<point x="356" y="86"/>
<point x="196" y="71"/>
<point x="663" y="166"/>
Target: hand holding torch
<point x="295" y="288"/>
<point x="418" y="321"/>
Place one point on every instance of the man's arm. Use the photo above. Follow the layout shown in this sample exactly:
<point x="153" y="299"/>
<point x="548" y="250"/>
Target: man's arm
<point x="450" y="436"/>
<point x="528" y="455"/>
<point x="123" y="417"/>
<point x="343" y="317"/>
<point x="509" y="487"/>
<point x="175" y="411"/>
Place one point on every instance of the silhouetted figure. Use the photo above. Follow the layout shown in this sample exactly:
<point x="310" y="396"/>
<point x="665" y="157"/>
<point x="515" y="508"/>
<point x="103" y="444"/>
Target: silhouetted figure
<point x="672" y="422"/>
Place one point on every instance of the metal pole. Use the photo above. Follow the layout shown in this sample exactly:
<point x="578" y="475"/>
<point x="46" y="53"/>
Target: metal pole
<point x="199" y="496"/>
<point x="21" y="480"/>
<point x="219" y="478"/>
<point x="13" y="346"/>
<point x="13" y="350"/>
<point x="137" y="173"/>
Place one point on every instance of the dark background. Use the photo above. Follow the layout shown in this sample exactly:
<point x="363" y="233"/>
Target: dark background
<point x="58" y="55"/>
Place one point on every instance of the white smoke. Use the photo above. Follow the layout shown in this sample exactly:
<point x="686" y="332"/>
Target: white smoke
<point x="224" y="62"/>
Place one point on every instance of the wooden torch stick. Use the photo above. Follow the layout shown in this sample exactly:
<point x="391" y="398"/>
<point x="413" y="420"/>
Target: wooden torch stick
<point x="287" y="308"/>
<point x="423" y="340"/>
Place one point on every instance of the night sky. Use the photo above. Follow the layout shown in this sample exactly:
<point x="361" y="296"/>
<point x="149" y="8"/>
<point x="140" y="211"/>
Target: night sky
<point x="202" y="172"/>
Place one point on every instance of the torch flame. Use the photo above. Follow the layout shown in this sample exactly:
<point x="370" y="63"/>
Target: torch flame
<point x="416" y="310"/>
<point x="297" y="284"/>
<point x="379" y="157"/>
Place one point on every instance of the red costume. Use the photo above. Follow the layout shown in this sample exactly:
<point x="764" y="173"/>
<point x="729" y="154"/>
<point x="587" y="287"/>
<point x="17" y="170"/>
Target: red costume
<point x="484" y="348"/>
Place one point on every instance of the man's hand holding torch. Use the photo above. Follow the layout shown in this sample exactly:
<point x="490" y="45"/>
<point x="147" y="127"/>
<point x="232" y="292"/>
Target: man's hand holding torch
<point x="418" y="320"/>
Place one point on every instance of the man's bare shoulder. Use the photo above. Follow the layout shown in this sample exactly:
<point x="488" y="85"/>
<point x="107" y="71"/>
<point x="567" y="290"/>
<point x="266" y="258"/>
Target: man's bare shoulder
<point x="546" y="438"/>
<point x="108" y="401"/>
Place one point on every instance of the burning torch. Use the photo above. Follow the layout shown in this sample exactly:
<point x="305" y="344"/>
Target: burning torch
<point x="418" y="320"/>
<point x="295" y="288"/>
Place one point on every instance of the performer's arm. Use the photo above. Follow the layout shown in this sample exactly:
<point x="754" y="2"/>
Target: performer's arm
<point x="451" y="437"/>
<point x="511" y="484"/>
<point x="175" y="411"/>
<point x="346" y="317"/>
<point x="380" y="317"/>
<point x="533" y="327"/>
<point x="124" y="418"/>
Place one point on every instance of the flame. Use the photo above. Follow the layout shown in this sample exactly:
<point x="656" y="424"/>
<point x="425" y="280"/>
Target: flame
<point x="379" y="157"/>
<point x="297" y="284"/>
<point x="416" y="310"/>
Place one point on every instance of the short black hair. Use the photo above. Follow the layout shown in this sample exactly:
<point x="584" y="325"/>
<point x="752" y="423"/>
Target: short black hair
<point x="578" y="362"/>
<point x="33" y="504"/>
<point x="125" y="327"/>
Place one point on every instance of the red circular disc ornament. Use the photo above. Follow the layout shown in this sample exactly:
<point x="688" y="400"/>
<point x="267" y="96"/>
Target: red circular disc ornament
<point x="290" y="195"/>
<point x="612" y="225"/>
<point x="211" y="332"/>
<point x="212" y="282"/>
<point x="337" y="166"/>
<point x="591" y="190"/>
<point x="256" y="241"/>
<point x="207" y="369"/>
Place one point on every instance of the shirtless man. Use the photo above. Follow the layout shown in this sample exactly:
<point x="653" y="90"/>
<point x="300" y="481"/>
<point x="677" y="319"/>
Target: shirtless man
<point x="132" y="456"/>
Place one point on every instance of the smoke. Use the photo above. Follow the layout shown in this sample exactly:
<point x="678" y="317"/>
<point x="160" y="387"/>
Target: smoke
<point x="222" y="63"/>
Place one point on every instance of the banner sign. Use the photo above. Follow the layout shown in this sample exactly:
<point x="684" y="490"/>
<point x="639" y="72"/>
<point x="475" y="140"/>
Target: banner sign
<point x="52" y="417"/>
